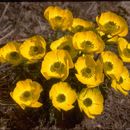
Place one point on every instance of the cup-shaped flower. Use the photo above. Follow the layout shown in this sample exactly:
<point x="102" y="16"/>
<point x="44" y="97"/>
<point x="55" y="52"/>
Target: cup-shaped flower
<point x="64" y="43"/>
<point x="112" y="24"/>
<point x="58" y="18"/>
<point x="33" y="48"/>
<point x="113" y="66"/>
<point x="26" y="93"/>
<point x="79" y="25"/>
<point x="62" y="96"/>
<point x="90" y="72"/>
<point x="88" y="42"/>
<point x="56" y="64"/>
<point x="124" y="49"/>
<point x="123" y="84"/>
<point x="10" y="53"/>
<point x="90" y="101"/>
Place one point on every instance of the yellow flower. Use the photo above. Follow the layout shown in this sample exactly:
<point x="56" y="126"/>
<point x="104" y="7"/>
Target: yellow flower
<point x="80" y="25"/>
<point x="58" y="18"/>
<point x="33" y="48"/>
<point x="112" y="24"/>
<point x="113" y="66"/>
<point x="62" y="96"/>
<point x="26" y="93"/>
<point x="88" y="42"/>
<point x="123" y="84"/>
<point x="89" y="71"/>
<point x="10" y="53"/>
<point x="56" y="64"/>
<point x="124" y="49"/>
<point x="91" y="102"/>
<point x="65" y="43"/>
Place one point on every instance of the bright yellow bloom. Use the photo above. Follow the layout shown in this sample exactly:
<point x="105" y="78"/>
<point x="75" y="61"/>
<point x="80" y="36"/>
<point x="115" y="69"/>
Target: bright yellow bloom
<point x="88" y="42"/>
<point x="113" y="24"/>
<point x="56" y="64"/>
<point x="124" y="49"/>
<point x="33" y="48"/>
<point x="62" y="96"/>
<point x="80" y="25"/>
<point x="26" y="93"/>
<point x="64" y="43"/>
<point x="123" y="84"/>
<point x="91" y="102"/>
<point x="10" y="53"/>
<point x="90" y="72"/>
<point x="113" y="66"/>
<point x="58" y="18"/>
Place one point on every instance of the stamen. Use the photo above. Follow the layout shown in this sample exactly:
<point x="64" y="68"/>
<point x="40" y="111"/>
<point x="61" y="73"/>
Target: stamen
<point x="58" y="67"/>
<point x="110" y="27"/>
<point x="26" y="96"/>
<point x="108" y="66"/>
<point x="126" y="52"/>
<point x="87" y="102"/>
<point x="78" y="28"/>
<point x="34" y="50"/>
<point x="87" y="72"/>
<point x="87" y="45"/>
<point x="61" y="98"/>
<point x="14" y="55"/>
<point x="120" y="80"/>
<point x="64" y="46"/>
<point x="67" y="47"/>
<point x="58" y="18"/>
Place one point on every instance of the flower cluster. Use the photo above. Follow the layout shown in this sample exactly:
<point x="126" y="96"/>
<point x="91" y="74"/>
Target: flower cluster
<point x="85" y="48"/>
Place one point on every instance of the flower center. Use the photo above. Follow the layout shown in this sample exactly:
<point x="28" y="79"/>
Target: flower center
<point x="26" y="96"/>
<point x="127" y="52"/>
<point x="110" y="27"/>
<point x="58" y="18"/>
<point x="87" y="45"/>
<point x="34" y="50"/>
<point x="14" y="56"/>
<point x="108" y="66"/>
<point x="87" y="72"/>
<point x="87" y="102"/>
<point x="67" y="47"/>
<point x="57" y="22"/>
<point x="120" y="80"/>
<point x="58" y="67"/>
<point x="61" y="98"/>
<point x="78" y="28"/>
<point x="64" y="46"/>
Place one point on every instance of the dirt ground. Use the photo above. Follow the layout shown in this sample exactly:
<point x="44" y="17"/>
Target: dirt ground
<point x="19" y="21"/>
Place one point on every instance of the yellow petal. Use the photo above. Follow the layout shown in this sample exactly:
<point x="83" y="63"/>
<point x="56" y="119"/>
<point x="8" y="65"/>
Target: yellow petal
<point x="95" y="109"/>
<point x="88" y="114"/>
<point x="36" y="104"/>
